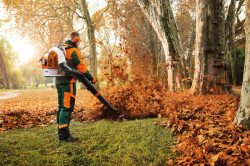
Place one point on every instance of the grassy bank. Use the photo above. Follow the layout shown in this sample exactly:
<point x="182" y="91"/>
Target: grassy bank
<point x="137" y="142"/>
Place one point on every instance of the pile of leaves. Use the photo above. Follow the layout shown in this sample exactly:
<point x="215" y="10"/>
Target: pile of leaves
<point x="205" y="130"/>
<point x="132" y="101"/>
<point x="30" y="108"/>
<point x="36" y="108"/>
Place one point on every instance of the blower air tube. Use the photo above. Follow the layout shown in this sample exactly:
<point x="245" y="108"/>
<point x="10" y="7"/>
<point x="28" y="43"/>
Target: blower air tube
<point x="80" y="76"/>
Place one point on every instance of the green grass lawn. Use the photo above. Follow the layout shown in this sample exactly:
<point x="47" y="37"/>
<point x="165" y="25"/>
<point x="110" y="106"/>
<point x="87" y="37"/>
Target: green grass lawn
<point x="137" y="142"/>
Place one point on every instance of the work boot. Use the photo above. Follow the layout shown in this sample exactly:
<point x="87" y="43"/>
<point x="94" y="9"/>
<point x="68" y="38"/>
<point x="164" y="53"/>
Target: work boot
<point x="69" y="139"/>
<point x="63" y="133"/>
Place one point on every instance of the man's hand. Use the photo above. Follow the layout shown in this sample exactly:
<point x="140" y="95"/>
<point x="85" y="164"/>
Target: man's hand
<point x="94" y="81"/>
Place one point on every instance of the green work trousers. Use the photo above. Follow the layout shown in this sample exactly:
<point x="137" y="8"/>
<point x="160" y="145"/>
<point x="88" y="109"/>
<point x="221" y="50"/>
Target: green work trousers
<point x="66" y="103"/>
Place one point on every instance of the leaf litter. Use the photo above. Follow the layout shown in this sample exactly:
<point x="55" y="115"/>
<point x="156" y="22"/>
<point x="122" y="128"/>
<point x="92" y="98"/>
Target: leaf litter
<point x="203" y="125"/>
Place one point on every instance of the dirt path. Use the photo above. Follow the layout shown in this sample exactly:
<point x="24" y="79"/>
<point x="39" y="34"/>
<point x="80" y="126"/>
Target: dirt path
<point x="6" y="95"/>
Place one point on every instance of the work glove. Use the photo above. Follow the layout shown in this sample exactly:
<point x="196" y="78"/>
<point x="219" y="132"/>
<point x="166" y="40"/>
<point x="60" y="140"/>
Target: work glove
<point x="94" y="81"/>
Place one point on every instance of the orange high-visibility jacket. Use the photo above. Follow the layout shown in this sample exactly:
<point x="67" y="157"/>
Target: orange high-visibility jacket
<point x="74" y="60"/>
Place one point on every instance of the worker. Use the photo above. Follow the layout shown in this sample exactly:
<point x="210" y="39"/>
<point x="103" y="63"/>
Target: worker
<point x="66" y="87"/>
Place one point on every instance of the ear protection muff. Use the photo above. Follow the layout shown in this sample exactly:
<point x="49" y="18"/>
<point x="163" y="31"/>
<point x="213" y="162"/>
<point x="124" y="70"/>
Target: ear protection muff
<point x="76" y="39"/>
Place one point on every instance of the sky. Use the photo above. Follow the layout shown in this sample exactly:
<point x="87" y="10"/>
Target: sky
<point x="22" y="46"/>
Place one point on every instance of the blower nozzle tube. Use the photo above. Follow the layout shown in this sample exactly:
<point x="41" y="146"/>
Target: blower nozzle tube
<point x="77" y="74"/>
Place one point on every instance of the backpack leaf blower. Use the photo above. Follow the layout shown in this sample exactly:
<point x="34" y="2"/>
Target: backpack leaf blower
<point x="54" y="65"/>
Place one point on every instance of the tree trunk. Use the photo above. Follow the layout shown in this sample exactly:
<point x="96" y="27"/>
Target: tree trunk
<point x="160" y="16"/>
<point x="210" y="66"/>
<point x="91" y="37"/>
<point x="3" y="69"/>
<point x="190" y="53"/>
<point x="153" y="50"/>
<point x="37" y="82"/>
<point x="243" y="115"/>
<point x="162" y="70"/>
<point x="230" y="38"/>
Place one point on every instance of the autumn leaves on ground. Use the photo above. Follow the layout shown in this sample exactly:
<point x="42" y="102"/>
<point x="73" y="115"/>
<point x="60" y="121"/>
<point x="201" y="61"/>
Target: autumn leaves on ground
<point x="203" y="125"/>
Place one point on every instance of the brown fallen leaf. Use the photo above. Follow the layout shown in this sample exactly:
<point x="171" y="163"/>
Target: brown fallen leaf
<point x="245" y="148"/>
<point x="200" y="139"/>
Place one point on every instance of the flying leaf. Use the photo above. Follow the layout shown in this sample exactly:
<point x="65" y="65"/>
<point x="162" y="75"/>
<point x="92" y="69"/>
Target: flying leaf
<point x="134" y="31"/>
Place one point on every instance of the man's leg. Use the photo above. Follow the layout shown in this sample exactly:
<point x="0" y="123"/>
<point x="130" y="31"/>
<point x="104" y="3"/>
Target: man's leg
<point x="69" y="92"/>
<point x="60" y="102"/>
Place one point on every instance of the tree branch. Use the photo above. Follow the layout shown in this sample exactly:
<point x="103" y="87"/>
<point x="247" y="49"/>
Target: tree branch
<point x="100" y="17"/>
<point x="75" y="12"/>
<point x="239" y="7"/>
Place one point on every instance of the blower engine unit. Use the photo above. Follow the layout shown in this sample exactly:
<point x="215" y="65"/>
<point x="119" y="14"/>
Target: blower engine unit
<point x="51" y="60"/>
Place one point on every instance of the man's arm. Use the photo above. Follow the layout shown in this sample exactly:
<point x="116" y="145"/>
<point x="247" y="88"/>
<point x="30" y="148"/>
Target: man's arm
<point x="78" y="62"/>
